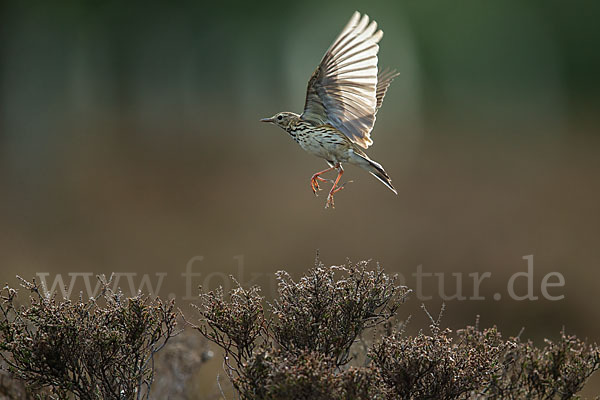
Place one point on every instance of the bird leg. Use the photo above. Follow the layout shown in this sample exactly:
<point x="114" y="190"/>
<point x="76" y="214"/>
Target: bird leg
<point x="335" y="188"/>
<point x="314" y="181"/>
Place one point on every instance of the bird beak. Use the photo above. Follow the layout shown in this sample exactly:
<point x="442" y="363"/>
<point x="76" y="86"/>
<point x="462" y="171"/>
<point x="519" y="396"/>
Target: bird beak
<point x="266" y="120"/>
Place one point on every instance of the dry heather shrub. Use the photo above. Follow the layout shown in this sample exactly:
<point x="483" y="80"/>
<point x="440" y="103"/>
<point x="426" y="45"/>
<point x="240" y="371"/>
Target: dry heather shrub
<point x="559" y="370"/>
<point x="299" y="346"/>
<point x="306" y="344"/>
<point x="440" y="365"/>
<point x="102" y="348"/>
<point x="311" y="326"/>
<point x="328" y="308"/>
<point x="304" y="375"/>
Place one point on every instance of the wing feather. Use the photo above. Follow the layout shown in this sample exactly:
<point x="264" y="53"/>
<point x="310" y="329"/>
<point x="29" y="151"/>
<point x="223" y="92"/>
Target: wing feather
<point x="345" y="90"/>
<point x="384" y="79"/>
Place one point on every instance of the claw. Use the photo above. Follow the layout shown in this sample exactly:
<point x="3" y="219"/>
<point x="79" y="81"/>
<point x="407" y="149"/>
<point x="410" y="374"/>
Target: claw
<point x="314" y="188"/>
<point x="314" y="181"/>
<point x="314" y="184"/>
<point x="330" y="201"/>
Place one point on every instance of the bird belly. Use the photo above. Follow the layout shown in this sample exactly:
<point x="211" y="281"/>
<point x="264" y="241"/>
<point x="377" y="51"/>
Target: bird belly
<point x="329" y="147"/>
<point x="313" y="147"/>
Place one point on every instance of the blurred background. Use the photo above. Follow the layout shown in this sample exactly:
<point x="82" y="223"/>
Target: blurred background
<point x="130" y="142"/>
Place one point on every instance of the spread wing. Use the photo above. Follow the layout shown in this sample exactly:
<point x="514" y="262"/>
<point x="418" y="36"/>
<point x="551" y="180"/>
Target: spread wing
<point x="345" y="90"/>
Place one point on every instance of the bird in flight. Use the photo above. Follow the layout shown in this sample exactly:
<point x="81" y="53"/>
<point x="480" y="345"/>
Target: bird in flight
<point x="343" y="96"/>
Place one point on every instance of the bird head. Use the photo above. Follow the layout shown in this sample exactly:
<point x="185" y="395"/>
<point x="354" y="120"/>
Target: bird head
<point x="282" y="119"/>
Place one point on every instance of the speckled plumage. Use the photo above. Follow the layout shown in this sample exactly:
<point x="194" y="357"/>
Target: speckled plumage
<point x="342" y="99"/>
<point x="323" y="141"/>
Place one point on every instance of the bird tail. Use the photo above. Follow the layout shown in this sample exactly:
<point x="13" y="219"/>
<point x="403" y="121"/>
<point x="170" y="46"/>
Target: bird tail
<point x="374" y="169"/>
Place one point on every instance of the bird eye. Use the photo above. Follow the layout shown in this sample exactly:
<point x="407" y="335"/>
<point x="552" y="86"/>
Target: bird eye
<point x="279" y="117"/>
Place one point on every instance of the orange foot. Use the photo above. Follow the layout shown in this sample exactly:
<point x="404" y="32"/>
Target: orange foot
<point x="334" y="190"/>
<point x="314" y="182"/>
<point x="330" y="201"/>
